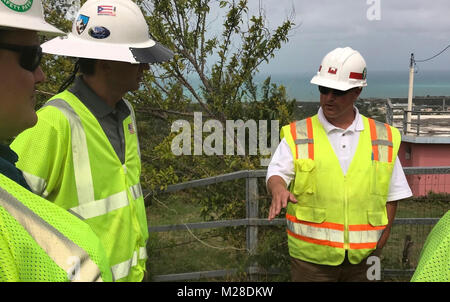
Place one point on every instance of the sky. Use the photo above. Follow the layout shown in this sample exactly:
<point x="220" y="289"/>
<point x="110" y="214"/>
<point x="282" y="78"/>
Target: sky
<point x="385" y="32"/>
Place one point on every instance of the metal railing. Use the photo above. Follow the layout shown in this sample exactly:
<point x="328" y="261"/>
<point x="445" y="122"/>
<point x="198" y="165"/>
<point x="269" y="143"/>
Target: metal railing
<point x="252" y="221"/>
<point x="418" y="123"/>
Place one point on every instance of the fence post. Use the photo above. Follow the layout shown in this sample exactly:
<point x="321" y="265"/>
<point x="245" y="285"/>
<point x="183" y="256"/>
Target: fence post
<point x="252" y="205"/>
<point x="405" y="130"/>
<point x="418" y="124"/>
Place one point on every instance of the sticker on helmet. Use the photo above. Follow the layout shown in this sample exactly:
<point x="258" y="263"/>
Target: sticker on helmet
<point x="106" y="10"/>
<point x="364" y="73"/>
<point x="18" y="5"/>
<point x="332" y="70"/>
<point x="81" y="23"/>
<point x="99" y="32"/>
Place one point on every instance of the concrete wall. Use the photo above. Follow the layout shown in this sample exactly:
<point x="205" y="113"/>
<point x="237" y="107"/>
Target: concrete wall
<point x="426" y="155"/>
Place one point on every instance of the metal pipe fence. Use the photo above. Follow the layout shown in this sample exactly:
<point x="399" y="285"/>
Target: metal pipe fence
<point x="253" y="222"/>
<point x="421" y="123"/>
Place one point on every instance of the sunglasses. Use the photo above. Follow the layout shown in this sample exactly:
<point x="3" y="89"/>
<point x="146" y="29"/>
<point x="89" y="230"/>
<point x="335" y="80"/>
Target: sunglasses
<point x="30" y="56"/>
<point x="326" y="90"/>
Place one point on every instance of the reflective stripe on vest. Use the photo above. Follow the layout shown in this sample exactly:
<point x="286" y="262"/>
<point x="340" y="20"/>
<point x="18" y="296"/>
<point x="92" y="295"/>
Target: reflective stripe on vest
<point x="82" y="168"/>
<point x="57" y="246"/>
<point x="89" y="207"/>
<point x="381" y="135"/>
<point x="302" y="135"/>
<point x="133" y="120"/>
<point x="106" y="205"/>
<point x="382" y="146"/>
<point x="122" y="269"/>
<point x="36" y="184"/>
<point x="332" y="234"/>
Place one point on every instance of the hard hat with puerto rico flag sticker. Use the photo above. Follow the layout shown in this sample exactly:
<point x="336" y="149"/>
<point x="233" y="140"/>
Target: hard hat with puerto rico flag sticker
<point x="342" y="69"/>
<point x="25" y="14"/>
<point x="113" y="30"/>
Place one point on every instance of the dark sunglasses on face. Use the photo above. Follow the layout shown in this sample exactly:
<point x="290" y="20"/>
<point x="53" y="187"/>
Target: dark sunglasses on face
<point x="326" y="90"/>
<point x="30" y="56"/>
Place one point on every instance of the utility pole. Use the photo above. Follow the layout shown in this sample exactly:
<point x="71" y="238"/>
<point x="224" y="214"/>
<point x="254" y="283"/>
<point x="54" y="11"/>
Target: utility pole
<point x="410" y="94"/>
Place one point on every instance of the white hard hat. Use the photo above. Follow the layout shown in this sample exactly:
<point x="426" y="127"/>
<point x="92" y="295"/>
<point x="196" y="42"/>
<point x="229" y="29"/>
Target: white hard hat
<point x="25" y="14"/>
<point x="342" y="69"/>
<point x="112" y="30"/>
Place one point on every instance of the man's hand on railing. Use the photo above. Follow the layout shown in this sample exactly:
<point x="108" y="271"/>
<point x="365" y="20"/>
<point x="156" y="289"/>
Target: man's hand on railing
<point x="280" y="195"/>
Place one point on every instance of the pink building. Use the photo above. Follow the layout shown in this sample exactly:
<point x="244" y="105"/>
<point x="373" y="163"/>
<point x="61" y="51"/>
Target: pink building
<point x="426" y="151"/>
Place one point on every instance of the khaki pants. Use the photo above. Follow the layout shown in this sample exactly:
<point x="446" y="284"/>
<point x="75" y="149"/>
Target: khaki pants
<point x="302" y="271"/>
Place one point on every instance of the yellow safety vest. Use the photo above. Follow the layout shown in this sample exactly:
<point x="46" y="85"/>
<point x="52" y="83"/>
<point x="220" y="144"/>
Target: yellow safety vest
<point x="68" y="159"/>
<point x="337" y="212"/>
<point x="40" y="242"/>
<point x="434" y="261"/>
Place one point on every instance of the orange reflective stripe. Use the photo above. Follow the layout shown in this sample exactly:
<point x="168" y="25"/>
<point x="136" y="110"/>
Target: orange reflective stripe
<point x="365" y="227"/>
<point x="294" y="137"/>
<point x="373" y="135"/>
<point x="390" y="148"/>
<point x="325" y="225"/>
<point x="316" y="241"/>
<point x="310" y="136"/>
<point x="359" y="246"/>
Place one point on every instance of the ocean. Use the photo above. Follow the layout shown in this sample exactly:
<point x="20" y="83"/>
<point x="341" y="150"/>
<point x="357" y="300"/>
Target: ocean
<point x="380" y="84"/>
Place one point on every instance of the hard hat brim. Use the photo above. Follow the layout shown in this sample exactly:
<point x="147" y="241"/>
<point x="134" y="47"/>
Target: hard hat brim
<point x="339" y="85"/>
<point x="71" y="46"/>
<point x="31" y="23"/>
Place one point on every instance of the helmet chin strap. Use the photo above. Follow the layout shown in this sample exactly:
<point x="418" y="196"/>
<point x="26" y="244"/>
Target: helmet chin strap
<point x="71" y="78"/>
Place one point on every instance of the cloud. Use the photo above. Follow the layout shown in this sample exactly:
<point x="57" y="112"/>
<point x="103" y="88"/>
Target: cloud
<point x="405" y="26"/>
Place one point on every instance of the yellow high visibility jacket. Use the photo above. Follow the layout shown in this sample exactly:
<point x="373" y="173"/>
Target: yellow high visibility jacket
<point x="68" y="159"/>
<point x="434" y="262"/>
<point x="337" y="212"/>
<point x="40" y="242"/>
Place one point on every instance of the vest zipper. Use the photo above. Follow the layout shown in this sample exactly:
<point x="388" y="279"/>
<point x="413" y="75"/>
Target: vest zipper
<point x="346" y="233"/>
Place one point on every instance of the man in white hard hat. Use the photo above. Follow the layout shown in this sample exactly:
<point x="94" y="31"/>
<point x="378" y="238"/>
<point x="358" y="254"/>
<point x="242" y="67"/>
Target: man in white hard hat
<point x="39" y="241"/>
<point x="339" y="176"/>
<point x="83" y="154"/>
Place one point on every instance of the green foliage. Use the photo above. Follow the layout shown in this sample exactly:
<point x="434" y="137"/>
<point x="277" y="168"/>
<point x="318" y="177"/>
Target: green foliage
<point x="211" y="72"/>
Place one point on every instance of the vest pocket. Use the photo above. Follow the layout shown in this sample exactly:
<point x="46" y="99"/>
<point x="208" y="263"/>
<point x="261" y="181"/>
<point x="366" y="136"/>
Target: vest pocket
<point x="381" y="177"/>
<point x="377" y="218"/>
<point x="316" y="215"/>
<point x="304" y="177"/>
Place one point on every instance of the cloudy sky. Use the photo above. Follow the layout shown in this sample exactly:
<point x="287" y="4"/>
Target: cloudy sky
<point x="404" y="27"/>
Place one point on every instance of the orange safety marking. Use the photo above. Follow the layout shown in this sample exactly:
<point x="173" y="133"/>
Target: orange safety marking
<point x="365" y="227"/>
<point x="359" y="246"/>
<point x="294" y="137"/>
<point x="310" y="136"/>
<point x="389" y="133"/>
<point x="373" y="135"/>
<point x="325" y="225"/>
<point x="316" y="241"/>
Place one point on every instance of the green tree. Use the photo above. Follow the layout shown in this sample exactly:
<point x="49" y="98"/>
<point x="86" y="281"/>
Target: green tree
<point x="212" y="71"/>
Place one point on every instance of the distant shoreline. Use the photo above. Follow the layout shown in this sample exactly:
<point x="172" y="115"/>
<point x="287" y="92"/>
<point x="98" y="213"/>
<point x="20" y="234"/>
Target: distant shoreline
<point x="432" y="99"/>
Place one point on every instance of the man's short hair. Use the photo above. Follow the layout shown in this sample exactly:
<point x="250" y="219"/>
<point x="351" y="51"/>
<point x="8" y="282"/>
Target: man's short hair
<point x="87" y="66"/>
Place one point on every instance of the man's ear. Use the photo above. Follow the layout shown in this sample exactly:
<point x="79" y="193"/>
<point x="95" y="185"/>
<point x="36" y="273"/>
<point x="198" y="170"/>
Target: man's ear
<point x="103" y="66"/>
<point x="357" y="92"/>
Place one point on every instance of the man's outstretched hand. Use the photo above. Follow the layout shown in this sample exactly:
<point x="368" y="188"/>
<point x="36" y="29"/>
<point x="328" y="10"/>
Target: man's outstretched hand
<point x="280" y="195"/>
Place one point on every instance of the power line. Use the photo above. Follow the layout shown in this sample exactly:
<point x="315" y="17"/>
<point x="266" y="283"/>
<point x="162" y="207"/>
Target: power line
<point x="419" y="61"/>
